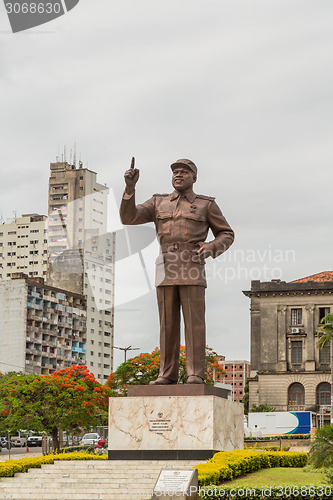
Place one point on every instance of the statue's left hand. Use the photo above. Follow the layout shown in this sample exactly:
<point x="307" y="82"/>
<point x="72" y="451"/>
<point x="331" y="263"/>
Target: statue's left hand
<point x="205" y="250"/>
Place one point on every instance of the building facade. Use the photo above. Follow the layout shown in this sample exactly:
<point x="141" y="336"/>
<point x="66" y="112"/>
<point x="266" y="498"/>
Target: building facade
<point x="237" y="373"/>
<point x="43" y="328"/>
<point x="81" y="254"/>
<point x="288" y="371"/>
<point x="24" y="246"/>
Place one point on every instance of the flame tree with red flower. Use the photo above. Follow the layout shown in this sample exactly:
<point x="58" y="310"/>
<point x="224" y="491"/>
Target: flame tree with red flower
<point x="70" y="399"/>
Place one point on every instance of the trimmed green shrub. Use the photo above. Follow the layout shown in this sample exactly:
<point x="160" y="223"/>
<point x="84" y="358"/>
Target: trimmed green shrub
<point x="227" y="465"/>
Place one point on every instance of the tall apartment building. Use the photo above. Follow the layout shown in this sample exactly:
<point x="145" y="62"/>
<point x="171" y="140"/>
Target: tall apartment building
<point x="24" y="246"/>
<point x="237" y="373"/>
<point x="288" y="371"/>
<point x="82" y="254"/>
<point x="42" y="328"/>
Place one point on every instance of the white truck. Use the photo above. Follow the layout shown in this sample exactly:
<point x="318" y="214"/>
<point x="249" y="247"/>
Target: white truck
<point x="276" y="423"/>
<point x="20" y="439"/>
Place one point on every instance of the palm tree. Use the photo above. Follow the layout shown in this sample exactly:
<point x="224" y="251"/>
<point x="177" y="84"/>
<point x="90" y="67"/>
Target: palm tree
<point x="321" y="452"/>
<point x="325" y="338"/>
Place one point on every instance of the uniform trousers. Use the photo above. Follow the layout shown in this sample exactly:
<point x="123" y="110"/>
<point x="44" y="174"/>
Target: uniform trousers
<point x="191" y="299"/>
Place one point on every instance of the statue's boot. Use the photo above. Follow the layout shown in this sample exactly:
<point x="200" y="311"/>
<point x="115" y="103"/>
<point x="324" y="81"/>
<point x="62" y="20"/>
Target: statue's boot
<point x="162" y="381"/>
<point x="193" y="379"/>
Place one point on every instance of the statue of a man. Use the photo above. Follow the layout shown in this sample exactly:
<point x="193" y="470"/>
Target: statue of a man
<point x="182" y="220"/>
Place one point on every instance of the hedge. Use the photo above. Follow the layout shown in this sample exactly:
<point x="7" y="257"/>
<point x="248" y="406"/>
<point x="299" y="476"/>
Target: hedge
<point x="11" y="467"/>
<point x="277" y="438"/>
<point x="293" y="492"/>
<point x="227" y="465"/>
<point x="70" y="449"/>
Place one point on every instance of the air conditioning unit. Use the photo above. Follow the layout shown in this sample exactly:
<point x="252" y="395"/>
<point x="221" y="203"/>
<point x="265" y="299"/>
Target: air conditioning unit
<point x="295" y="330"/>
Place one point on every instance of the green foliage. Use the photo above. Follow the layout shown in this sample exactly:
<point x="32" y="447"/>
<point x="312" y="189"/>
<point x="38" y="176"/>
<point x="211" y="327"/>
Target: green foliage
<point x="71" y="449"/>
<point x="329" y="475"/>
<point x="321" y="451"/>
<point x="262" y="408"/>
<point x="277" y="438"/>
<point x="246" y="398"/>
<point x="145" y="367"/>
<point x="287" y="492"/>
<point x="325" y="332"/>
<point x="70" y="399"/>
<point x="227" y="465"/>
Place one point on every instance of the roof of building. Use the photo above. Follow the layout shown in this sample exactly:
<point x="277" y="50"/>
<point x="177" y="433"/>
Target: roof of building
<point x="324" y="276"/>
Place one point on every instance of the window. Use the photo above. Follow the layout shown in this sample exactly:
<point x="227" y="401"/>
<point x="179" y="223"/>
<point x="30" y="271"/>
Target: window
<point x="296" y="352"/>
<point x="296" y="394"/>
<point x="296" y="316"/>
<point x="324" y="394"/>
<point x="324" y="355"/>
<point x="323" y="311"/>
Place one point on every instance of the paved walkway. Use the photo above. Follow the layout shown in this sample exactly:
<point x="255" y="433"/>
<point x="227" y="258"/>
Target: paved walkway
<point x="15" y="456"/>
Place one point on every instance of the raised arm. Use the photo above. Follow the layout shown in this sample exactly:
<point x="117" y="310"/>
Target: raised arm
<point x="130" y="213"/>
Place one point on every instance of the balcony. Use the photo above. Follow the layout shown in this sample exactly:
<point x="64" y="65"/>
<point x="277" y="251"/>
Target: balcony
<point x="296" y="407"/>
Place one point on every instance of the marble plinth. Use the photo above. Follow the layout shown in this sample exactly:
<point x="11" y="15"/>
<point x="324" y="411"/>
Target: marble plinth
<point x="173" y="427"/>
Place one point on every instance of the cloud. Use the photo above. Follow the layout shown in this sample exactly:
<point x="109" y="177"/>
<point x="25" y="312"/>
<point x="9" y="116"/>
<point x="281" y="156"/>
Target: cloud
<point x="242" y="88"/>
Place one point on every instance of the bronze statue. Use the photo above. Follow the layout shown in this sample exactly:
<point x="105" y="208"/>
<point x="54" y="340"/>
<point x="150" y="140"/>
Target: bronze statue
<point x="182" y="221"/>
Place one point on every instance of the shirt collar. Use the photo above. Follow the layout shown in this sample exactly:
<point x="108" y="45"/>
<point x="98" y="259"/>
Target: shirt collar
<point x="189" y="196"/>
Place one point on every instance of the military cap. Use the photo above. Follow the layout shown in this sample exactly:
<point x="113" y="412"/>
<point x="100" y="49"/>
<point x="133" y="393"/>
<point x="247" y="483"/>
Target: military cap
<point x="185" y="163"/>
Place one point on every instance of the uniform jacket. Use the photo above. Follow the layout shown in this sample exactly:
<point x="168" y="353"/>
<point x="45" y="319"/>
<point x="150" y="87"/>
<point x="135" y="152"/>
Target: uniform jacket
<point x="181" y="223"/>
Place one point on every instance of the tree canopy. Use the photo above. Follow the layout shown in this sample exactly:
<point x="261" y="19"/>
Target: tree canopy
<point x="321" y="451"/>
<point x="325" y="331"/>
<point x="70" y="399"/>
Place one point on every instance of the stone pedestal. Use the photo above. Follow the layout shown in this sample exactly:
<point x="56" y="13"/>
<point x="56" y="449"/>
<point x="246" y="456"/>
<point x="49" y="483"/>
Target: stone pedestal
<point x="183" y="426"/>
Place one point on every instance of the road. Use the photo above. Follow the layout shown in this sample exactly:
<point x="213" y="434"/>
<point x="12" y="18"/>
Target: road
<point x="15" y="453"/>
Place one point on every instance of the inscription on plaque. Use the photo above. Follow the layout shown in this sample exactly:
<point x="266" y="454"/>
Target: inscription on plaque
<point x="159" y="425"/>
<point x="172" y="482"/>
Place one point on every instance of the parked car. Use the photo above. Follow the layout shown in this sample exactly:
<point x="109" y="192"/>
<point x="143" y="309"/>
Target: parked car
<point x="3" y="442"/>
<point x="35" y="440"/>
<point x="0" y="447"/>
<point x="91" y="438"/>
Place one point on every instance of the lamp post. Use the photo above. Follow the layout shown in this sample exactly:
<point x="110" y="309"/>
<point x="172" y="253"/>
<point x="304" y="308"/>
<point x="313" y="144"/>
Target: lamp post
<point x="125" y="349"/>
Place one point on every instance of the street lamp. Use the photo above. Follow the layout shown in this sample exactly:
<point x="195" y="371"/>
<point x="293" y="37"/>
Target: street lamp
<point x="125" y="349"/>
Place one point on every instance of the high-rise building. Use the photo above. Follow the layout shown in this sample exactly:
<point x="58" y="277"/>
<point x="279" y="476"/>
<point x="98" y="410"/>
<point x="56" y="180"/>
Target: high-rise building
<point x="42" y="328"/>
<point x="237" y="373"/>
<point x="24" y="246"/>
<point x="81" y="254"/>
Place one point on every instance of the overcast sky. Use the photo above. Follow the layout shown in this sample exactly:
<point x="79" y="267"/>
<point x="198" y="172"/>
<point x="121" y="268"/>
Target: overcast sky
<point x="243" y="88"/>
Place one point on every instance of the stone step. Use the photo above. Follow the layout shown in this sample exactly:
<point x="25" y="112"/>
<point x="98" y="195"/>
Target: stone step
<point x="87" y="477"/>
<point x="70" y="496"/>
<point x="88" y="480"/>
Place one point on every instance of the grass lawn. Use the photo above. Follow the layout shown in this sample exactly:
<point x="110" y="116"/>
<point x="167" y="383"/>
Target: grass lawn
<point x="279" y="476"/>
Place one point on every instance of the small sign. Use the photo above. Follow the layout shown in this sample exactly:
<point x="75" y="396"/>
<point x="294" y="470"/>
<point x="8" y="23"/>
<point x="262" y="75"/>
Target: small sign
<point x="160" y="425"/>
<point x="176" y="482"/>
